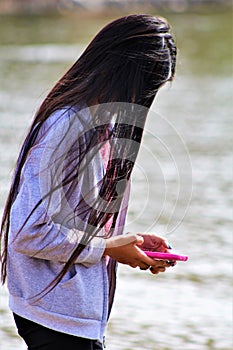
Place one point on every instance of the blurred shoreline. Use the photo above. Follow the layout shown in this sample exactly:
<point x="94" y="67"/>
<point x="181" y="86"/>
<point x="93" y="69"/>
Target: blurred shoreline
<point x="96" y="7"/>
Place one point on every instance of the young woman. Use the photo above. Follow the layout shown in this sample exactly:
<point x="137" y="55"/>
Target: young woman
<point x="64" y="217"/>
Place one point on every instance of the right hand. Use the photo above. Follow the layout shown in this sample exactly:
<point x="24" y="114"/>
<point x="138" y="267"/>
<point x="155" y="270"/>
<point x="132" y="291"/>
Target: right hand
<point x="125" y="249"/>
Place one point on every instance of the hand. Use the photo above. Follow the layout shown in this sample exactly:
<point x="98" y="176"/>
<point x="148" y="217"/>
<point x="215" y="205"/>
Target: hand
<point x="154" y="243"/>
<point x="125" y="249"/>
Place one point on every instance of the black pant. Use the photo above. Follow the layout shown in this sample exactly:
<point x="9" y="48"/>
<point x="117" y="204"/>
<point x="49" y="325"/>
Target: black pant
<point x="38" y="337"/>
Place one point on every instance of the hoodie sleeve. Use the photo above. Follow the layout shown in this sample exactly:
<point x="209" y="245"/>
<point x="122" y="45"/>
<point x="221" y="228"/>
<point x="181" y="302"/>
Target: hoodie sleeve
<point x="33" y="230"/>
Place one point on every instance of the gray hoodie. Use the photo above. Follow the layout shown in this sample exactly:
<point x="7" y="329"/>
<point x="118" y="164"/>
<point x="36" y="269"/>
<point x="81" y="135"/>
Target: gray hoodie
<point x="40" y="246"/>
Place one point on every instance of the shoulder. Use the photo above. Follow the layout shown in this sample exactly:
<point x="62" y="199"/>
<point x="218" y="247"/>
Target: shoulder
<point x="63" y="121"/>
<point x="60" y="117"/>
<point x="67" y="116"/>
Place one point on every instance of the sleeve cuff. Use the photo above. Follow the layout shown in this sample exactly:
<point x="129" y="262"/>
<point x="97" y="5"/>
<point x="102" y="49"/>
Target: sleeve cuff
<point x="93" y="253"/>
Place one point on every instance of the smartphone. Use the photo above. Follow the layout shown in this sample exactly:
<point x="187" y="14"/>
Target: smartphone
<point x="166" y="256"/>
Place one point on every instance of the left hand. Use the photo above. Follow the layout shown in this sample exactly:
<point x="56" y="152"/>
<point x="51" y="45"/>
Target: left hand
<point x="156" y="243"/>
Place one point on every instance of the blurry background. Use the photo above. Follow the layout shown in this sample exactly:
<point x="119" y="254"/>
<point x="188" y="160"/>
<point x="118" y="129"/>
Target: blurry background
<point x="189" y="306"/>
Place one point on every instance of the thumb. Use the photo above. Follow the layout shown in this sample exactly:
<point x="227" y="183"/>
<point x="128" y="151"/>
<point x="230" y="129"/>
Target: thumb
<point x="133" y="238"/>
<point x="139" y="240"/>
<point x="129" y="238"/>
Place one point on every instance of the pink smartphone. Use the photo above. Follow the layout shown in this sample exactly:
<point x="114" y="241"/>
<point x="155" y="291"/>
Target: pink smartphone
<point x="166" y="256"/>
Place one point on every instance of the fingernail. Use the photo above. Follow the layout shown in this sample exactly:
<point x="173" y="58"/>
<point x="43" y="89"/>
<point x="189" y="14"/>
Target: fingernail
<point x="169" y="246"/>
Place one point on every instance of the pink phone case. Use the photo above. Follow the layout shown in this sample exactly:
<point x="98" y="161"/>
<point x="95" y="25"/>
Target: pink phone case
<point x="166" y="256"/>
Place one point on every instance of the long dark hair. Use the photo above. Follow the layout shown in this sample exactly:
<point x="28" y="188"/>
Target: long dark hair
<point x="127" y="62"/>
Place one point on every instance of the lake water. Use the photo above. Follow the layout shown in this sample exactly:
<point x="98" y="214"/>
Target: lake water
<point x="182" y="183"/>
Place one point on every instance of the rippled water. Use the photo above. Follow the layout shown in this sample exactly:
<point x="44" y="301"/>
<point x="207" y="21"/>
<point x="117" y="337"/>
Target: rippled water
<point x="186" y="154"/>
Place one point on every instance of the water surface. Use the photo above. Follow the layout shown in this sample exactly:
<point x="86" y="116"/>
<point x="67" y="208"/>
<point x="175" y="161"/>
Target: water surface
<point x="189" y="307"/>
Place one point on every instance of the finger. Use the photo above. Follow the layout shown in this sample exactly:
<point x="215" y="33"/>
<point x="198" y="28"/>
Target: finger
<point x="133" y="265"/>
<point x="139" y="241"/>
<point x="159" y="263"/>
<point x="154" y="271"/>
<point x="164" y="246"/>
<point x="171" y="263"/>
<point x="157" y="270"/>
<point x="168" y="245"/>
<point x="144" y="266"/>
<point x="162" y="241"/>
